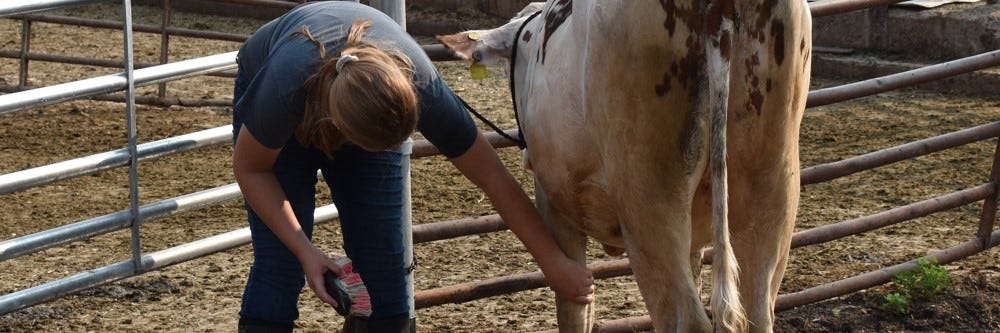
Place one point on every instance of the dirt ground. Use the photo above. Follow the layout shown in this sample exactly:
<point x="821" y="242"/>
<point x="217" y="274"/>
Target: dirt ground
<point x="203" y="295"/>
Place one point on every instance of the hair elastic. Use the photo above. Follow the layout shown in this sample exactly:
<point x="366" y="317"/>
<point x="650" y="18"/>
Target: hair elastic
<point x="345" y="58"/>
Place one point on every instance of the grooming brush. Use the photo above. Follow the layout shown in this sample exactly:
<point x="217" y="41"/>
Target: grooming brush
<point x="353" y="290"/>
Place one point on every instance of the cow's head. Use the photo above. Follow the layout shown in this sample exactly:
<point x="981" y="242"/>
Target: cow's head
<point x="487" y="46"/>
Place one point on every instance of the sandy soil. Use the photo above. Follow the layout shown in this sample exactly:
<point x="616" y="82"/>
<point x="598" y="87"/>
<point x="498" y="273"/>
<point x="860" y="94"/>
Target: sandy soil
<point x="203" y="295"/>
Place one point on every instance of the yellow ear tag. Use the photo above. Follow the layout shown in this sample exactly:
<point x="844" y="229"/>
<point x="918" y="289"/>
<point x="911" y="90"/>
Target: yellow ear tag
<point x="473" y="35"/>
<point x="478" y="71"/>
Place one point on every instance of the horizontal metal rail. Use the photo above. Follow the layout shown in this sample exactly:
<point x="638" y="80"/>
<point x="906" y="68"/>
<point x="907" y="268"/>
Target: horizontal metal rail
<point x="117" y="82"/>
<point x="14" y="7"/>
<point x="834" y="7"/>
<point x="830" y="232"/>
<point x="88" y="61"/>
<point x="47" y="174"/>
<point x="833" y="170"/>
<point x="16" y="247"/>
<point x="469" y="291"/>
<point x="116" y="25"/>
<point x="901" y="80"/>
<point x="123" y="269"/>
<point x="265" y="3"/>
<point x="20" y="180"/>
<point x="147" y="100"/>
<point x="429" y="232"/>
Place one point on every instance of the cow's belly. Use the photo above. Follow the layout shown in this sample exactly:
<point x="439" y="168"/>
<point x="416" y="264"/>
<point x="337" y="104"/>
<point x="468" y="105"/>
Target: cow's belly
<point x="588" y="206"/>
<point x="574" y="183"/>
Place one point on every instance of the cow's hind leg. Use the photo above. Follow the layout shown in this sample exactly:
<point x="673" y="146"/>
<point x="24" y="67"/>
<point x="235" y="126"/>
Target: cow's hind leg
<point x="657" y="240"/>
<point x="572" y="317"/>
<point x="764" y="181"/>
<point x="762" y="239"/>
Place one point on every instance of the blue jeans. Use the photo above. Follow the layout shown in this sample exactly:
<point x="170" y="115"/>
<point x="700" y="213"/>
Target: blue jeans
<point x="367" y="188"/>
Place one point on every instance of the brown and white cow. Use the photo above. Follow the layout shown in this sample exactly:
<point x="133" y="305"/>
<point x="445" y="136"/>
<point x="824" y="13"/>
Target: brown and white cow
<point x="624" y="107"/>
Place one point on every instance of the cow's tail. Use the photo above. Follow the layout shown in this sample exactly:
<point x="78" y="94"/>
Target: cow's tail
<point x="727" y="310"/>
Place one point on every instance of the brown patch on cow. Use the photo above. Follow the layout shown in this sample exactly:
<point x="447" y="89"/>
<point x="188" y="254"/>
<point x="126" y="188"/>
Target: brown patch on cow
<point x="664" y="86"/>
<point x="765" y="10"/>
<point x="756" y="100"/>
<point x="778" y="32"/>
<point x="751" y="62"/>
<point x="724" y="42"/>
<point x="767" y="87"/>
<point x="557" y="15"/>
<point x="527" y="36"/>
<point x="691" y="66"/>
<point x="719" y="12"/>
<point x="669" y="23"/>
<point x="802" y="45"/>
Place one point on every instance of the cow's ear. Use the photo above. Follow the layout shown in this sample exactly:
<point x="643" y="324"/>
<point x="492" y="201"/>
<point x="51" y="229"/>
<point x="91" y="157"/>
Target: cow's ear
<point x="488" y="46"/>
<point x="460" y="43"/>
<point x="482" y="46"/>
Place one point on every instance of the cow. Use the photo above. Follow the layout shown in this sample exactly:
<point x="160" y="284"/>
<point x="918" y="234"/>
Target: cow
<point x="659" y="128"/>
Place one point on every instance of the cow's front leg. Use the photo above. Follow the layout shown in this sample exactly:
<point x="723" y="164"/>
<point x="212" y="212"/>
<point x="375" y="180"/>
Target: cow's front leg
<point x="572" y="316"/>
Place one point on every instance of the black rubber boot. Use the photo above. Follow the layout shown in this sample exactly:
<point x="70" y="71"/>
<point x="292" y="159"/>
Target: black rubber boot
<point x="395" y="324"/>
<point x="250" y="325"/>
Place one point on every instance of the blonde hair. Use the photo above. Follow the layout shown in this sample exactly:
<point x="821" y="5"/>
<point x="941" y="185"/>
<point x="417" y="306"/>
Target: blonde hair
<point x="371" y="101"/>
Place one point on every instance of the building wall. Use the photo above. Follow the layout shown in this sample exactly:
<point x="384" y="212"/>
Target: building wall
<point x="501" y="8"/>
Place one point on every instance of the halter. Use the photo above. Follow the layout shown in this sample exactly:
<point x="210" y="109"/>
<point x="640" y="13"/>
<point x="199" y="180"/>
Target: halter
<point x="513" y="95"/>
<point x="521" y="143"/>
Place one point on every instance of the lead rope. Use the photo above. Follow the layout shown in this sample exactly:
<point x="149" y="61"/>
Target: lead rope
<point x="513" y="97"/>
<point x="519" y="141"/>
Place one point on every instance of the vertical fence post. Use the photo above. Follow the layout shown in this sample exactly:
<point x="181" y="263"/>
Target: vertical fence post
<point x="22" y="78"/>
<point x="989" y="213"/>
<point x="396" y="9"/>
<point x="133" y="168"/>
<point x="407" y="150"/>
<point x="164" y="45"/>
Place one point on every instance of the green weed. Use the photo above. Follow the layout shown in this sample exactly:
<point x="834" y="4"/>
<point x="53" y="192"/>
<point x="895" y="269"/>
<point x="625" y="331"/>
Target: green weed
<point x="896" y="303"/>
<point x="921" y="283"/>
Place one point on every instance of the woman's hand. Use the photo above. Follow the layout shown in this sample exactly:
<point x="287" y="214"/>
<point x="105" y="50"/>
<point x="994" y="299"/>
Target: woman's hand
<point x="570" y="279"/>
<point x="314" y="264"/>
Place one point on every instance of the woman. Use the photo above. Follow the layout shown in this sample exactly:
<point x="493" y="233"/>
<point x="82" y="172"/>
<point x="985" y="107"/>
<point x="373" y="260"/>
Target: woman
<point x="337" y="86"/>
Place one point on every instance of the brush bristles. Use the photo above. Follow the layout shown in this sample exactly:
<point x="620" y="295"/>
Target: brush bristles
<point x="362" y="306"/>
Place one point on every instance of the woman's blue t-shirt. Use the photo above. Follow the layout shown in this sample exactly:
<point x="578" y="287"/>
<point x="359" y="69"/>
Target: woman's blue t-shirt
<point x="273" y="66"/>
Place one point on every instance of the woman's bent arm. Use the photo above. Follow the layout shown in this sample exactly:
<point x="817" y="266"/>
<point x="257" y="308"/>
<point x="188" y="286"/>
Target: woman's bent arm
<point x="481" y="165"/>
<point x="252" y="166"/>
